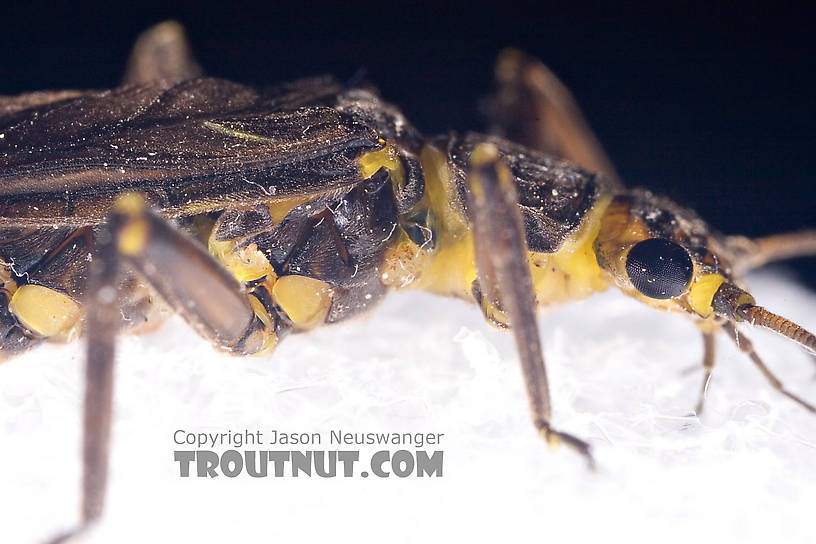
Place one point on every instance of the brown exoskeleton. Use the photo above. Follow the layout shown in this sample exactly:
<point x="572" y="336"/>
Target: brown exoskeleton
<point x="258" y="213"/>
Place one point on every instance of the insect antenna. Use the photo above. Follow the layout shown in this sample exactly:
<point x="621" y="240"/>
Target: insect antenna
<point x="747" y="347"/>
<point x="736" y="305"/>
<point x="759" y="316"/>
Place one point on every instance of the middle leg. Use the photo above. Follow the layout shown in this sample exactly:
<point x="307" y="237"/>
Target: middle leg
<point x="747" y="347"/>
<point x="505" y="280"/>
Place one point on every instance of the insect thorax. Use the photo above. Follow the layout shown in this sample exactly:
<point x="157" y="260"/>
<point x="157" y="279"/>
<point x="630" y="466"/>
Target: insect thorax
<point x="561" y="207"/>
<point x="326" y="258"/>
<point x="308" y="260"/>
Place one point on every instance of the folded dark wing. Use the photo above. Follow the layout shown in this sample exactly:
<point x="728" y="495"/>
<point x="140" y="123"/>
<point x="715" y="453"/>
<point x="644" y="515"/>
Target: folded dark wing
<point x="554" y="195"/>
<point x="197" y="146"/>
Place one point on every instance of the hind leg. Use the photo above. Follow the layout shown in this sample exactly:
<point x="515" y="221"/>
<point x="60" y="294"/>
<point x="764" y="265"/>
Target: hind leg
<point x="191" y="282"/>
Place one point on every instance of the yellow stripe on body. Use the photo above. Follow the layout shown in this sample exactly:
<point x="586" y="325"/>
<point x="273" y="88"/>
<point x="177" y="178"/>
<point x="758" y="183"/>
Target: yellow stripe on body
<point x="387" y="157"/>
<point x="245" y="264"/>
<point x="450" y="268"/>
<point x="572" y="273"/>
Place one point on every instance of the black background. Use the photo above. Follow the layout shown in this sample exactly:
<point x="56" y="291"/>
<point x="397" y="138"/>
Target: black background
<point x="714" y="107"/>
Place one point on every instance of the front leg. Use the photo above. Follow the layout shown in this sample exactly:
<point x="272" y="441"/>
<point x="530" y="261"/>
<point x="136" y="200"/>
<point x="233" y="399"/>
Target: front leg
<point x="505" y="280"/>
<point x="709" y="358"/>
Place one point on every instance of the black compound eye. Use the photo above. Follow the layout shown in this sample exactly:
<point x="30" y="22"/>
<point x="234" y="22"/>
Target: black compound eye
<point x="659" y="268"/>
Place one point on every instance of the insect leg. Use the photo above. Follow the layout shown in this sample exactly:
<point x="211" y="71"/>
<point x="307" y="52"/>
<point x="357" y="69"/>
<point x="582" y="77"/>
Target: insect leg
<point x="189" y="280"/>
<point x="709" y="353"/>
<point x="102" y="322"/>
<point x="747" y="347"/>
<point x="504" y="277"/>
<point x="532" y="107"/>
<point x="491" y="313"/>
<point x="161" y="52"/>
<point x="751" y="254"/>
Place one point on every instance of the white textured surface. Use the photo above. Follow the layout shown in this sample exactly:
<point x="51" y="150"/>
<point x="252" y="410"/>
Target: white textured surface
<point x="623" y="376"/>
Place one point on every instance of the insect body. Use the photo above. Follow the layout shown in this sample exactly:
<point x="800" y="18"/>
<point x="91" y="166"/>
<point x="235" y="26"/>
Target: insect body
<point x="254" y="214"/>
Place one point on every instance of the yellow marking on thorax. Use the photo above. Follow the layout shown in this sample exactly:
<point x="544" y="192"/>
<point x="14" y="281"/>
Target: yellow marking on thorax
<point x="388" y="158"/>
<point x="248" y="263"/>
<point x="572" y="273"/>
<point x="44" y="311"/>
<point x="450" y="269"/>
<point x="306" y="301"/>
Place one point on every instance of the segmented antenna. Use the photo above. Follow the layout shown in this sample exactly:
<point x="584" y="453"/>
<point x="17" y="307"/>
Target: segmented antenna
<point x="757" y="315"/>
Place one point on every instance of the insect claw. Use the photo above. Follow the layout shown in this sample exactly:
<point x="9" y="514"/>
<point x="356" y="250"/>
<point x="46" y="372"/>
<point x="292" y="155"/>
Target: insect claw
<point x="556" y="438"/>
<point x="77" y="535"/>
<point x="698" y="410"/>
